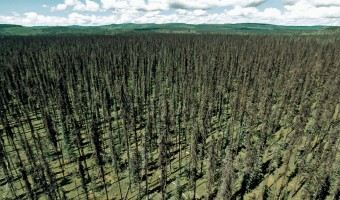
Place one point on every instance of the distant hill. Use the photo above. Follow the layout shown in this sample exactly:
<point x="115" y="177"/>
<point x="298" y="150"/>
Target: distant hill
<point x="242" y="28"/>
<point x="9" y="26"/>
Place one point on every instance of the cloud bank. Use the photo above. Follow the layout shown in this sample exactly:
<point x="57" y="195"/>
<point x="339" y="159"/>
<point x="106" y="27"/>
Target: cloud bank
<point x="91" y="12"/>
<point x="77" y="5"/>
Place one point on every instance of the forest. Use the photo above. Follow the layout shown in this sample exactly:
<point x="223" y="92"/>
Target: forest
<point x="183" y="28"/>
<point x="170" y="116"/>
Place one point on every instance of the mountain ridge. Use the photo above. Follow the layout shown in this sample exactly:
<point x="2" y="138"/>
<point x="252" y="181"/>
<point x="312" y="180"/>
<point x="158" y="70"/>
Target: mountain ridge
<point x="112" y="29"/>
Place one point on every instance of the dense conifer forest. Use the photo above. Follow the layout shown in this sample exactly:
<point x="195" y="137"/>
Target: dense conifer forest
<point x="170" y="116"/>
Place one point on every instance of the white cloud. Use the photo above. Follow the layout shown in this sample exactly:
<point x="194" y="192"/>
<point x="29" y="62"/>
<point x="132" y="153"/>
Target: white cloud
<point x="33" y="18"/>
<point x="271" y="13"/>
<point x="88" y="6"/>
<point x="203" y="4"/>
<point x="293" y="16"/>
<point x="176" y="4"/>
<point x="154" y="5"/>
<point x="181" y="11"/>
<point x="239" y="11"/>
<point x="150" y="5"/>
<point x="65" y="5"/>
<point x="77" y="5"/>
<point x="308" y="10"/>
<point x="317" y="3"/>
<point x="199" y="12"/>
<point x="268" y="15"/>
<point x="290" y="2"/>
<point x="60" y="7"/>
<point x="295" y="12"/>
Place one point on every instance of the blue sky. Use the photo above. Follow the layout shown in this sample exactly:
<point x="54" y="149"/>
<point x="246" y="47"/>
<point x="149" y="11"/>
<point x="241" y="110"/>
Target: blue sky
<point x="101" y="12"/>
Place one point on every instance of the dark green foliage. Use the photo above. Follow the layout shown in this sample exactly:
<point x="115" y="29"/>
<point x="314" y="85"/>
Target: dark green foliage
<point x="193" y="159"/>
<point x="51" y="133"/>
<point x="162" y="163"/>
<point x="179" y="189"/>
<point x="113" y="29"/>
<point x="82" y="177"/>
<point x="152" y="115"/>
<point x="136" y="168"/>
<point x="211" y="167"/>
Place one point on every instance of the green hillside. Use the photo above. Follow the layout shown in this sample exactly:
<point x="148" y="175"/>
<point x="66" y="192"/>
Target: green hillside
<point x="245" y="28"/>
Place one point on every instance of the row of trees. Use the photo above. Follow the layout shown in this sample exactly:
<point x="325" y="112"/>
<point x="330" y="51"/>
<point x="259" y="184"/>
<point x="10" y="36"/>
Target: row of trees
<point x="155" y="116"/>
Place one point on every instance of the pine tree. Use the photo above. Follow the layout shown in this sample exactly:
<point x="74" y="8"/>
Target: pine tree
<point x="136" y="170"/>
<point x="179" y="189"/>
<point x="193" y="159"/>
<point x="82" y="177"/>
<point x="162" y="163"/>
<point x="225" y="190"/>
<point x="98" y="150"/>
<point x="211" y="167"/>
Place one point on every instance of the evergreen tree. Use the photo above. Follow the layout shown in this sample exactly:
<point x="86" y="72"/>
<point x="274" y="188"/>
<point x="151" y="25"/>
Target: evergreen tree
<point x="211" y="167"/>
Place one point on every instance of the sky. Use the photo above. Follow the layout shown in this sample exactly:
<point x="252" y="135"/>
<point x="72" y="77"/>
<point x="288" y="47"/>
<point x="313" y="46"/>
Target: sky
<point x="103" y="12"/>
